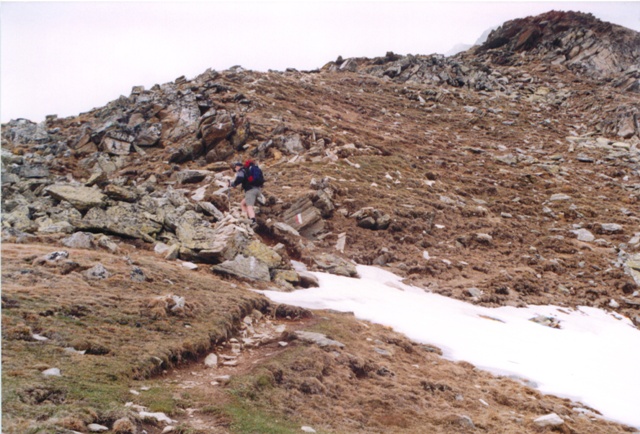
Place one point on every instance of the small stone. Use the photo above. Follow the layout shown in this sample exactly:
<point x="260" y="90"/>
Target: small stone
<point x="137" y="275"/>
<point x="189" y="265"/>
<point x="211" y="361"/>
<point x="611" y="228"/>
<point x="614" y="304"/>
<point x="558" y="197"/>
<point x="52" y="372"/>
<point x="94" y="427"/>
<point x="466" y="421"/>
<point x="474" y="292"/>
<point x="584" y="235"/>
<point x="97" y="272"/>
<point x="551" y="419"/>
<point x="307" y="429"/>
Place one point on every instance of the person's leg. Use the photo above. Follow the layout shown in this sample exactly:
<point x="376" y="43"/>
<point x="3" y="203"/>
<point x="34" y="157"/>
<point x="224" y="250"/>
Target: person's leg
<point x="250" y="201"/>
<point x="245" y="209"/>
<point x="251" y="212"/>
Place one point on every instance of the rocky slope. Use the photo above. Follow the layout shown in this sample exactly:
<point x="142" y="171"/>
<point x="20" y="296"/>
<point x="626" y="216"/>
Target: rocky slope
<point x="505" y="175"/>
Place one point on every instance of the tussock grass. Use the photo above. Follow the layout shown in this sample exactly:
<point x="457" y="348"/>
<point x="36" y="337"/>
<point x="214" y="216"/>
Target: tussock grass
<point x="112" y="322"/>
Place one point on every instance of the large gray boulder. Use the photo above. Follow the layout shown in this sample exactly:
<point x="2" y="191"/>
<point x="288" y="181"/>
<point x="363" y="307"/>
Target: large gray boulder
<point x="250" y="268"/>
<point x="207" y="244"/>
<point x="82" y="198"/>
<point x="124" y="219"/>
<point x="304" y="217"/>
<point x="215" y="126"/>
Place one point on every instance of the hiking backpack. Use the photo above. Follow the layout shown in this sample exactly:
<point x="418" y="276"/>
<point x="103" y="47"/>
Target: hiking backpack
<point x="255" y="176"/>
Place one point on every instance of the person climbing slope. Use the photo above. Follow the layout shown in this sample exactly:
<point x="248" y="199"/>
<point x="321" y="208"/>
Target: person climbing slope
<point x="251" y="178"/>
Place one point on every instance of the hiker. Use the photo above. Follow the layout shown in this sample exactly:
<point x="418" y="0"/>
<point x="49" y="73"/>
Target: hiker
<point x="250" y="177"/>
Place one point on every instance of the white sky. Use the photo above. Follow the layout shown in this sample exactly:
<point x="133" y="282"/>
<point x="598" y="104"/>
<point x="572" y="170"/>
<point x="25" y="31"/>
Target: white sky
<point x="593" y="358"/>
<point x="65" y="58"/>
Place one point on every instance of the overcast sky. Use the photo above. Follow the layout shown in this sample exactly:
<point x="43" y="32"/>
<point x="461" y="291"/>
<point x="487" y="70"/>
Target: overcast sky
<point x="67" y="58"/>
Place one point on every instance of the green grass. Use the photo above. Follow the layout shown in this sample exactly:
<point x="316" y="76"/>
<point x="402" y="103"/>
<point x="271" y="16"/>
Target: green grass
<point x="249" y="420"/>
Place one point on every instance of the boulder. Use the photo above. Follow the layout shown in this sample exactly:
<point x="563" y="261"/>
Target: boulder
<point x="213" y="245"/>
<point x="117" y="143"/>
<point x="293" y="144"/>
<point x="241" y="134"/>
<point x="82" y="198"/>
<point x="318" y="339"/>
<point x="335" y="265"/>
<point x="34" y="171"/>
<point x="121" y="194"/>
<point x="287" y="279"/>
<point x="148" y="134"/>
<point x="124" y="219"/>
<point x="20" y="219"/>
<point x="215" y="126"/>
<point x="371" y="218"/>
<point x="584" y="235"/>
<point x="262" y="252"/>
<point x="610" y="228"/>
<point x="191" y="176"/>
<point x="323" y="202"/>
<point x="80" y="240"/>
<point x="551" y="419"/>
<point x="245" y="267"/>
<point x="209" y="209"/>
<point x="308" y="280"/>
<point x="97" y="272"/>
<point x="304" y="217"/>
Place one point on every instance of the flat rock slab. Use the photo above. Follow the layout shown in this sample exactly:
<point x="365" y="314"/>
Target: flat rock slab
<point x="82" y="198"/>
<point x="318" y="339"/>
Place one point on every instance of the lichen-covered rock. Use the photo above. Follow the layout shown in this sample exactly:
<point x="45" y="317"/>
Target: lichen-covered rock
<point x="81" y="197"/>
<point x="261" y="251"/>
<point x="335" y="265"/>
<point x="245" y="267"/>
<point x="124" y="219"/>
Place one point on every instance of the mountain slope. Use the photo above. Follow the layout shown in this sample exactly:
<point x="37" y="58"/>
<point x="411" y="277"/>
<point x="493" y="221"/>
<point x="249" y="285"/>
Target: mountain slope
<point x="505" y="175"/>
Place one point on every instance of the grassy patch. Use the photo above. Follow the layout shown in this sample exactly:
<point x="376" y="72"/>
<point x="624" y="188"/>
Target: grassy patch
<point x="102" y="335"/>
<point x="249" y="420"/>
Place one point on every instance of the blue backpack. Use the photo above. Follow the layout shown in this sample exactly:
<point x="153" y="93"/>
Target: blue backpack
<point x="255" y="176"/>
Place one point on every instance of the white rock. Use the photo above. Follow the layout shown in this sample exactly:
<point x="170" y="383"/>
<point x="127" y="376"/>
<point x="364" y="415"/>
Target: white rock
<point x="189" y="265"/>
<point x="160" y="417"/>
<point x="94" y="427"/>
<point x="614" y="304"/>
<point x="161" y="248"/>
<point x="584" y="235"/>
<point x="307" y="429"/>
<point x="134" y="392"/>
<point x="283" y="344"/>
<point x="559" y="196"/>
<point x="551" y="419"/>
<point x="425" y="255"/>
<point x="39" y="338"/>
<point x="52" y="372"/>
<point x="211" y="361"/>
<point x="168" y="428"/>
<point x="198" y="195"/>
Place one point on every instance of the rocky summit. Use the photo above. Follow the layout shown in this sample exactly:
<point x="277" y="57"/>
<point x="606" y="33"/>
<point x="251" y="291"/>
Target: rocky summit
<point x="508" y="174"/>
